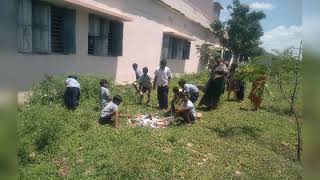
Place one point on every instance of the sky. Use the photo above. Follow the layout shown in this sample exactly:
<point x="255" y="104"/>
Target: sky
<point x="282" y="25"/>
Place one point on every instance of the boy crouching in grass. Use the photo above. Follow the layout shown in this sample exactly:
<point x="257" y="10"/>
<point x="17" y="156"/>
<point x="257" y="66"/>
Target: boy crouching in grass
<point x="176" y="99"/>
<point x="187" y="111"/>
<point x="110" y="112"/>
<point x="145" y="85"/>
<point x="105" y="96"/>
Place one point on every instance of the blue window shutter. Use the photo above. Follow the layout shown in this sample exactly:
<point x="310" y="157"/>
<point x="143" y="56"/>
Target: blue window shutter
<point x="116" y="29"/>
<point x="186" y="50"/>
<point x="69" y="35"/>
<point x="41" y="28"/>
<point x="170" y="48"/>
<point x="165" y="47"/>
<point x="180" y="49"/>
<point x="25" y="26"/>
<point x="174" y="48"/>
<point x="104" y="31"/>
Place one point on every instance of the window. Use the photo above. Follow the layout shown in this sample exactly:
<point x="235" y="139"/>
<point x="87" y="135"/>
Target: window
<point x="175" y="48"/>
<point x="44" y="28"/>
<point x="105" y="37"/>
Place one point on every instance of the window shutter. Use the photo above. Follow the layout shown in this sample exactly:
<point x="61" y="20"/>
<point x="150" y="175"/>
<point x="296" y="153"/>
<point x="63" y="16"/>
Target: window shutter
<point x="186" y="50"/>
<point x="165" y="47"/>
<point x="25" y="26"/>
<point x="104" y="31"/>
<point x="116" y="29"/>
<point x="41" y="28"/>
<point x="174" y="48"/>
<point x="180" y="49"/>
<point x="69" y="35"/>
<point x="94" y="25"/>
<point x="170" y="48"/>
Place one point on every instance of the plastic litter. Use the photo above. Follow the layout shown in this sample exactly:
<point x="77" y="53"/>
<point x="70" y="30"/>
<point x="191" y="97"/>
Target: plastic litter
<point x="149" y="121"/>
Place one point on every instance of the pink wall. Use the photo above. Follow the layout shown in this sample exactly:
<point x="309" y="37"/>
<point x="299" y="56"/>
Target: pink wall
<point x="141" y="44"/>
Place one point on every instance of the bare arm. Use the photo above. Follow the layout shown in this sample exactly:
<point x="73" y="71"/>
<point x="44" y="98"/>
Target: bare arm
<point x="183" y="109"/>
<point x="116" y="121"/>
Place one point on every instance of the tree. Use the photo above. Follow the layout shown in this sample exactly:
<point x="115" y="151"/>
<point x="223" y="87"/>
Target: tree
<point x="287" y="72"/>
<point x="207" y="54"/>
<point x="241" y="34"/>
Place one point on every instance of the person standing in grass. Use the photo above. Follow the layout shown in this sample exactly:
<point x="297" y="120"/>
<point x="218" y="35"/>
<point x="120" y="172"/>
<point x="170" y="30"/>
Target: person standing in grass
<point x="145" y="84"/>
<point x="110" y="112"/>
<point x="138" y="74"/>
<point x="214" y="86"/>
<point x="232" y="83"/>
<point x="161" y="81"/>
<point x="191" y="89"/>
<point x="257" y="90"/>
<point x="187" y="111"/>
<point x="105" y="96"/>
<point x="72" y="93"/>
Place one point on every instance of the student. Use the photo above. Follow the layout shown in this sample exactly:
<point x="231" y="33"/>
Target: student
<point x="105" y="96"/>
<point x="72" y="93"/>
<point x="176" y="99"/>
<point x="110" y="112"/>
<point x="138" y="74"/>
<point x="232" y="83"/>
<point x="145" y="84"/>
<point x="191" y="89"/>
<point x="161" y="81"/>
<point x="187" y="111"/>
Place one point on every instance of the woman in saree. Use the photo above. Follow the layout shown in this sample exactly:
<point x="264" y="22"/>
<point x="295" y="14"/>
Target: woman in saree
<point x="257" y="91"/>
<point x="215" y="85"/>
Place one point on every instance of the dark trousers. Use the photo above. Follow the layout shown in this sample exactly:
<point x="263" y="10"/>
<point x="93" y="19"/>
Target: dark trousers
<point x="194" y="97"/>
<point x="163" y="97"/>
<point x="242" y="89"/>
<point x="71" y="97"/>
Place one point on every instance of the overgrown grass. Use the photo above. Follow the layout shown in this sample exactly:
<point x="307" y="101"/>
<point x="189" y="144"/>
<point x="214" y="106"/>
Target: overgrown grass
<point x="55" y="142"/>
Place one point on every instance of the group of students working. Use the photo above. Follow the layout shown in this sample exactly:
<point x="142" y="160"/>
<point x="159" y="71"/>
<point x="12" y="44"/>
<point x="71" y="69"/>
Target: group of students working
<point x="184" y="96"/>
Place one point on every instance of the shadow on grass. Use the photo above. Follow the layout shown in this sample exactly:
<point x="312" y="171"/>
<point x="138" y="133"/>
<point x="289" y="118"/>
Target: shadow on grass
<point x="233" y="131"/>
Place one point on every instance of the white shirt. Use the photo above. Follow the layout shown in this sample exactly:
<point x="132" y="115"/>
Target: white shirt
<point x="162" y="76"/>
<point x="192" y="108"/>
<point x="110" y="108"/>
<point x="138" y="74"/>
<point x="104" y="96"/>
<point x="70" y="82"/>
<point x="191" y="89"/>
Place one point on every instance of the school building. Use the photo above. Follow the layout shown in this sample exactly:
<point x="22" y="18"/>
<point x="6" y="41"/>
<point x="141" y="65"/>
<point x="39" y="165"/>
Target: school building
<point x="104" y="36"/>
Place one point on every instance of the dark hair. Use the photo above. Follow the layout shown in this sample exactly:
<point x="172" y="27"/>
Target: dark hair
<point x="163" y="62"/>
<point x="73" y="77"/>
<point x="117" y="99"/>
<point x="134" y="65"/>
<point x="145" y="69"/>
<point x="175" y="89"/>
<point x="182" y="81"/>
<point x="103" y="82"/>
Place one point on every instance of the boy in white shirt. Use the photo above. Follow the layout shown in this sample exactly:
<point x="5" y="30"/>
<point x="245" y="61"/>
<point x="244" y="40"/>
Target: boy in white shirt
<point x="145" y="84"/>
<point x="110" y="112"/>
<point x="105" y="96"/>
<point x="191" y="89"/>
<point x="187" y="111"/>
<point x="138" y="74"/>
<point x="72" y="93"/>
<point x="161" y="81"/>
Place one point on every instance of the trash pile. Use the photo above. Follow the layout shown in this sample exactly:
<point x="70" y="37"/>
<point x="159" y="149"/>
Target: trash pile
<point x="152" y="122"/>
